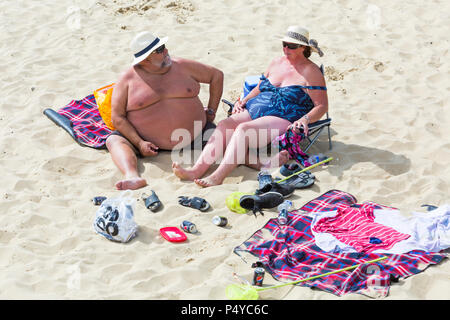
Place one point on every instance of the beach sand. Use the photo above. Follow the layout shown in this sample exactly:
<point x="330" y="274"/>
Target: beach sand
<point x="387" y="72"/>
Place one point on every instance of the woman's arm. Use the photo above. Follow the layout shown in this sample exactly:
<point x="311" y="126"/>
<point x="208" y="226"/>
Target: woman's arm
<point x="240" y="104"/>
<point x="314" y="77"/>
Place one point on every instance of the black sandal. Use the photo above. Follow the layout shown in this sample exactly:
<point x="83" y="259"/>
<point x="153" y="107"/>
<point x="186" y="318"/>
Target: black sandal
<point x="300" y="181"/>
<point x="152" y="202"/>
<point x="195" y="202"/>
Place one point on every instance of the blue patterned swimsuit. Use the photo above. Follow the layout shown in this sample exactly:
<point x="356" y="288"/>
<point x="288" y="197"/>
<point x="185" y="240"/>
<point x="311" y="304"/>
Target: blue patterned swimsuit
<point x="290" y="102"/>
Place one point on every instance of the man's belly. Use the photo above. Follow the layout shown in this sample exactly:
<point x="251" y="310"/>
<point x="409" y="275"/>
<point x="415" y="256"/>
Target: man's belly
<point x="171" y="123"/>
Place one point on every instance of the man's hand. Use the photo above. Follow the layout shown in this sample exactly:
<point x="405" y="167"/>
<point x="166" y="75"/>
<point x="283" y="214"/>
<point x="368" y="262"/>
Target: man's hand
<point x="210" y="115"/>
<point x="148" y="149"/>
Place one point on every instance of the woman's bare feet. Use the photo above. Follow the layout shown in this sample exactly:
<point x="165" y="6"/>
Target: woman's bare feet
<point x="207" y="182"/>
<point x="185" y="174"/>
<point x="131" y="184"/>
<point x="277" y="160"/>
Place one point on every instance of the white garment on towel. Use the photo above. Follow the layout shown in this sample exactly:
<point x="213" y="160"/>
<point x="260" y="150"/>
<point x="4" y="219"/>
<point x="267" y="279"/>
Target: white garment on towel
<point x="430" y="231"/>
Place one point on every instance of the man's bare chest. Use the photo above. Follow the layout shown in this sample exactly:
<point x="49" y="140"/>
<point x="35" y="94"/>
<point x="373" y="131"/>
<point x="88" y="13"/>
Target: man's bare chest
<point x="145" y="92"/>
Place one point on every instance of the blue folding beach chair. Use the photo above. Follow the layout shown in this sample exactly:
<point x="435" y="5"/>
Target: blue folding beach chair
<point x="314" y="128"/>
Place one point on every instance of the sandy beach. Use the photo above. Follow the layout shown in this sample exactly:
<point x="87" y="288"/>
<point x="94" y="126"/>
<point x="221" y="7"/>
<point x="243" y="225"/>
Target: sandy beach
<point x="387" y="71"/>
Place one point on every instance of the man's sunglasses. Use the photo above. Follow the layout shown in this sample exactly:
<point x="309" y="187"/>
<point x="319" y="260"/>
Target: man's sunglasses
<point x="291" y="46"/>
<point x="160" y="49"/>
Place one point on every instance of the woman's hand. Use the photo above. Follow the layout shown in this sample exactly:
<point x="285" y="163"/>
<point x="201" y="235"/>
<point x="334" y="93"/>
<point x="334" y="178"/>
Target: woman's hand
<point x="300" y="123"/>
<point x="239" y="106"/>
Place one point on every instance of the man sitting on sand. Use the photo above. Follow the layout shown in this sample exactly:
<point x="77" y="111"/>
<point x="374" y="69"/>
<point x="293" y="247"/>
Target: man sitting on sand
<point x="154" y="97"/>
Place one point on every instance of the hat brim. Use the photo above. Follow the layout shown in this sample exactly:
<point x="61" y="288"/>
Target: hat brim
<point x="292" y="40"/>
<point x="144" y="56"/>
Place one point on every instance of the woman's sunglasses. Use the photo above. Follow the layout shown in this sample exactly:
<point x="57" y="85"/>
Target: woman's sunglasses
<point x="291" y="46"/>
<point x="160" y="49"/>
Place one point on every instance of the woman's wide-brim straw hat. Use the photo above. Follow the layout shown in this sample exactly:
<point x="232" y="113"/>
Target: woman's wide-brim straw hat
<point x="300" y="35"/>
<point x="144" y="43"/>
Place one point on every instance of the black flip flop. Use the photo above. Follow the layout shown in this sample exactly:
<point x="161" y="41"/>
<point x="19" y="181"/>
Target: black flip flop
<point x="300" y="181"/>
<point x="290" y="168"/>
<point x="429" y="207"/>
<point x="152" y="202"/>
<point x="195" y="202"/>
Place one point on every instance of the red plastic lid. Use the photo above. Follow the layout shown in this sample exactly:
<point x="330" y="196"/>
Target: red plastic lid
<point x="173" y="234"/>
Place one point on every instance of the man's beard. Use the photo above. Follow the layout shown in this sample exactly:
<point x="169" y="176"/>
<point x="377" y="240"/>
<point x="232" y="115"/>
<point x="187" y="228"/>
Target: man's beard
<point x="167" y="62"/>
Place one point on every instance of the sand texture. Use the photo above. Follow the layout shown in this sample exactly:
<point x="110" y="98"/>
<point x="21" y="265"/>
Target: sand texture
<point x="387" y="72"/>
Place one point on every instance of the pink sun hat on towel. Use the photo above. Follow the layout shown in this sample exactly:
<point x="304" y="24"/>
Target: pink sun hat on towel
<point x="144" y="43"/>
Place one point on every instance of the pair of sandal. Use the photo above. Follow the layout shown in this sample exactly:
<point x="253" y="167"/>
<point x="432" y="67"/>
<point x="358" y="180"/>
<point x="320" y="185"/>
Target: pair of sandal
<point x="299" y="181"/>
<point x="153" y="203"/>
<point x="195" y="202"/>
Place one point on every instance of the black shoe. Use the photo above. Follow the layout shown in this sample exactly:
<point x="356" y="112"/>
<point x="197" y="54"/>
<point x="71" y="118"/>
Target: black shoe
<point x="256" y="203"/>
<point x="286" y="190"/>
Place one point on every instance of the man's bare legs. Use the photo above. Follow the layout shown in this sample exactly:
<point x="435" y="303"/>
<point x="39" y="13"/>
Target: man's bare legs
<point x="124" y="157"/>
<point x="252" y="134"/>
<point x="214" y="149"/>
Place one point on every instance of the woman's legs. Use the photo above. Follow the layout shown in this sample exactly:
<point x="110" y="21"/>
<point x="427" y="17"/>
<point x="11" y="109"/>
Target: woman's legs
<point x="277" y="160"/>
<point x="253" y="134"/>
<point x="214" y="149"/>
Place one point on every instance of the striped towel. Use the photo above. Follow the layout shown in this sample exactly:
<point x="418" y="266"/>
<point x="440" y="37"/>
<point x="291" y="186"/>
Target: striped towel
<point x="289" y="253"/>
<point x="356" y="227"/>
<point x="87" y="124"/>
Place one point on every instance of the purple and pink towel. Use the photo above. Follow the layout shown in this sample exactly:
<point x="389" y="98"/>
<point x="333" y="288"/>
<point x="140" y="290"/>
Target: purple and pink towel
<point x="289" y="253"/>
<point x="290" y="141"/>
<point x="87" y="124"/>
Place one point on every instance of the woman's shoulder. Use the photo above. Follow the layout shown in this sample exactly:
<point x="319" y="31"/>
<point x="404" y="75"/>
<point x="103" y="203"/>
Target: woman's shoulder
<point x="313" y="74"/>
<point x="312" y="67"/>
<point x="277" y="61"/>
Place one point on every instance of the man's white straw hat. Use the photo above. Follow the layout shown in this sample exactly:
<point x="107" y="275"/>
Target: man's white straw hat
<point x="300" y="35"/>
<point x="144" y="43"/>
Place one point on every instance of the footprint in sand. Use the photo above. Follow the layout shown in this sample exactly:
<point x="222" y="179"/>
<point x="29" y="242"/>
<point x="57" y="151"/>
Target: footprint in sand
<point x="182" y="10"/>
<point x="332" y="74"/>
<point x="379" y="66"/>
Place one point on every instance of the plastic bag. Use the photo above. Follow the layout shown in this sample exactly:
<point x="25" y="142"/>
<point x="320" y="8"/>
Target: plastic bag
<point x="115" y="219"/>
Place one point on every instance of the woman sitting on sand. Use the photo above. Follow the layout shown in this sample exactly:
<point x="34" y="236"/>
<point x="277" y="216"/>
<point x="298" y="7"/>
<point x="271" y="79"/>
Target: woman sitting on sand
<point x="290" y="94"/>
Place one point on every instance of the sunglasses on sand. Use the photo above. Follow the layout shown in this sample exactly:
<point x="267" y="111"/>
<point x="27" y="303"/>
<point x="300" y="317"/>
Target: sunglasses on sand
<point x="160" y="49"/>
<point x="291" y="46"/>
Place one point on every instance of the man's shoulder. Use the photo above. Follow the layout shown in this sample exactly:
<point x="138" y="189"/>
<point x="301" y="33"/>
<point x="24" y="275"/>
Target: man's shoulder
<point x="183" y="61"/>
<point x="126" y="76"/>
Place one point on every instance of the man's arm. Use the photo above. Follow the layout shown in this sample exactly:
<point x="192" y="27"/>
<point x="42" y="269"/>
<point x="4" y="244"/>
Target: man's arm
<point x="207" y="74"/>
<point x="119" y="119"/>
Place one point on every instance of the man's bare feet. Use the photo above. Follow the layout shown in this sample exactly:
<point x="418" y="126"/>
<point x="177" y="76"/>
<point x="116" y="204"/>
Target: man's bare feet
<point x="277" y="160"/>
<point x="207" y="182"/>
<point x="184" y="174"/>
<point x="132" y="184"/>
